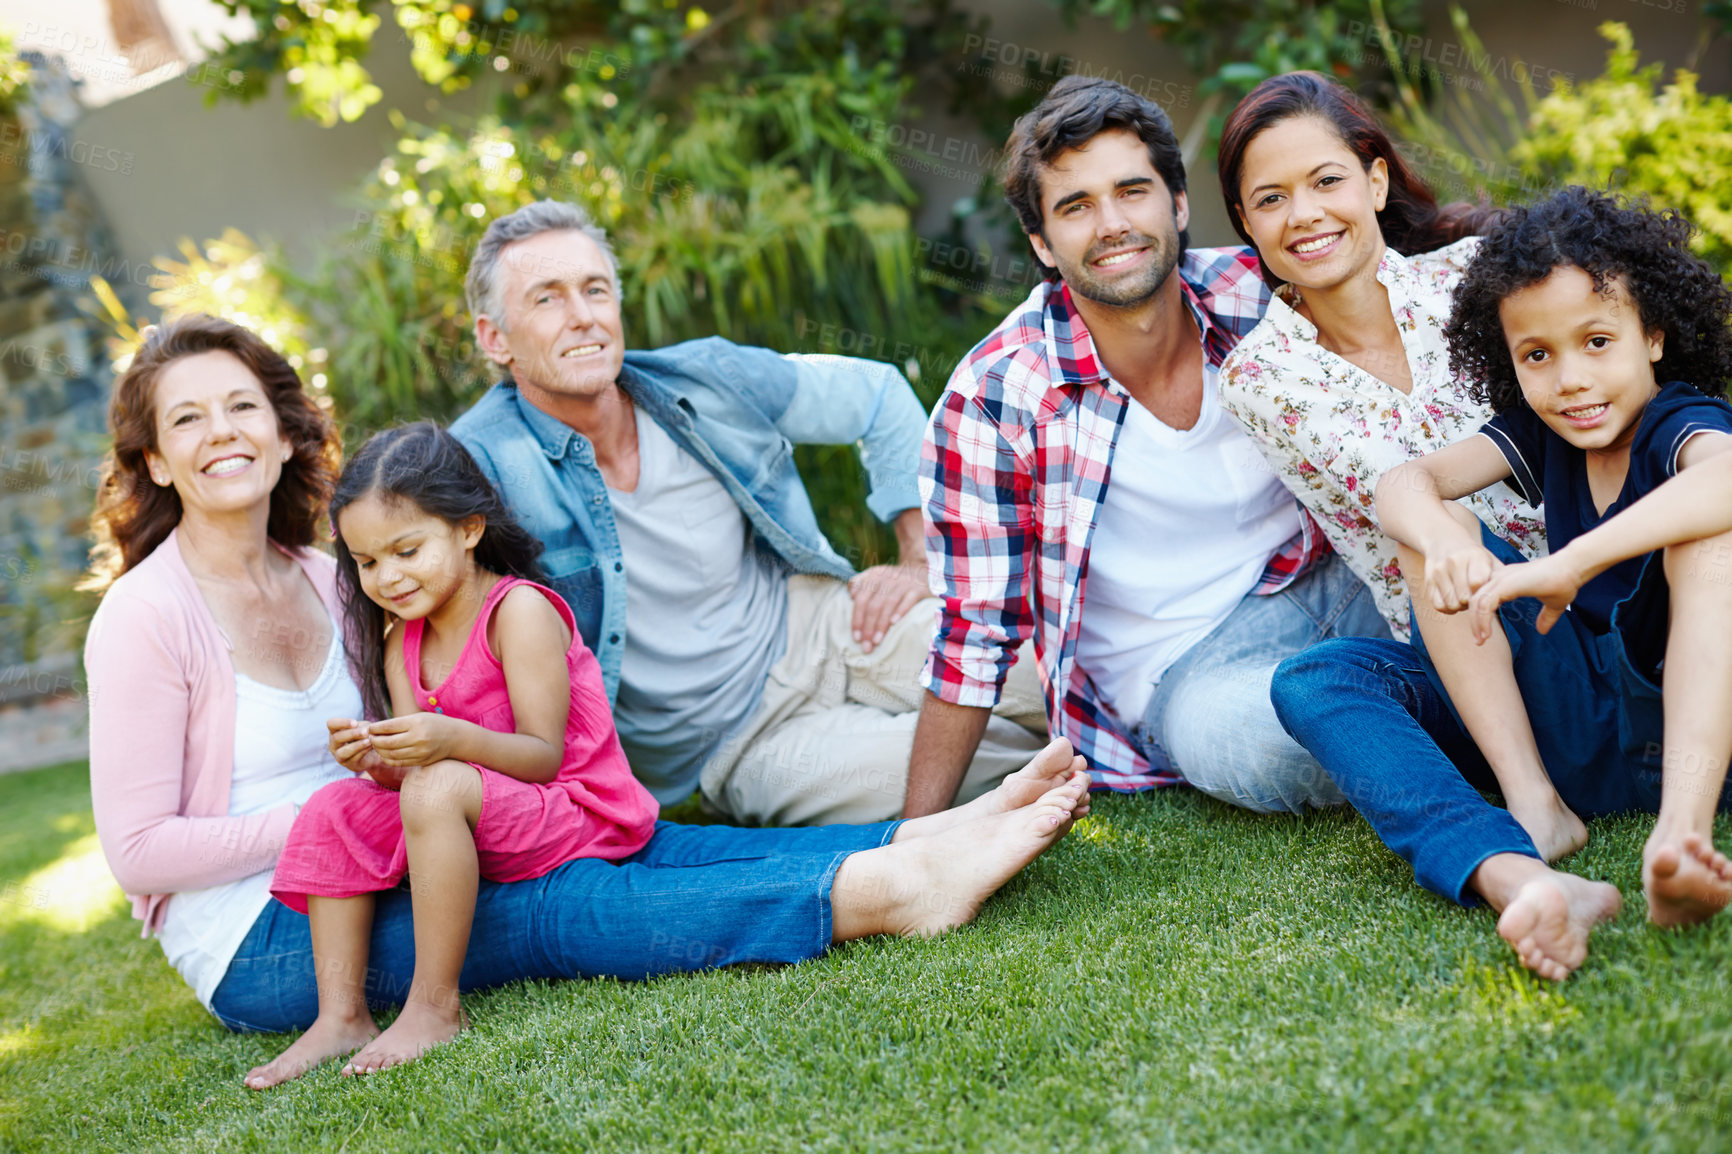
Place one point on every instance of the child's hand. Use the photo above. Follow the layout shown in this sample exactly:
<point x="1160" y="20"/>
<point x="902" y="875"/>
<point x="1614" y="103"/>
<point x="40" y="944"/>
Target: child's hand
<point x="1554" y="580"/>
<point x="415" y="739"/>
<point x="1452" y="575"/>
<point x="353" y="749"/>
<point x="348" y="742"/>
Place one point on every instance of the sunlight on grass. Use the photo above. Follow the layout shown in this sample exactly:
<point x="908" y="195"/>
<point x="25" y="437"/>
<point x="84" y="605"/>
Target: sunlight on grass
<point x="71" y="894"/>
<point x="12" y="1041"/>
<point x="1514" y="998"/>
<point x="1096" y="832"/>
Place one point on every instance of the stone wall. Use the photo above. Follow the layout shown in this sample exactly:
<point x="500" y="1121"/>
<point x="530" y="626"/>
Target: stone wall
<point x="54" y="387"/>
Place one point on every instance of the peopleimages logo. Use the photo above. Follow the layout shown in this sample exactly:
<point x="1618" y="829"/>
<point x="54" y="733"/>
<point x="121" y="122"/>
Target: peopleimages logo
<point x="987" y="52"/>
<point x="1445" y="54"/>
<point x="63" y="147"/>
<point x="951" y="149"/>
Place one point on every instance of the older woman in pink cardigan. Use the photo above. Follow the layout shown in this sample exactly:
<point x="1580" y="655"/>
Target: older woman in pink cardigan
<point x="217" y="668"/>
<point x="215" y="656"/>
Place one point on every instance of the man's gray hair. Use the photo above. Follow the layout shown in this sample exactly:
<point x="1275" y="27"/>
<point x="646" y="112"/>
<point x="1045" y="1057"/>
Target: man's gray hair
<point x="481" y="287"/>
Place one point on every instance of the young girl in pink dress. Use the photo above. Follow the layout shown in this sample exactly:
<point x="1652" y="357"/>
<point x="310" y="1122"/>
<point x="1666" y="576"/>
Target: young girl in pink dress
<point x="497" y="757"/>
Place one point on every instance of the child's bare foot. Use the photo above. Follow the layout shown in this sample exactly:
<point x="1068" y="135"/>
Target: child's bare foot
<point x="329" y="1036"/>
<point x="1550" y="918"/>
<point x="932" y="884"/>
<point x="1556" y="830"/>
<point x="421" y="1026"/>
<point x="1687" y="881"/>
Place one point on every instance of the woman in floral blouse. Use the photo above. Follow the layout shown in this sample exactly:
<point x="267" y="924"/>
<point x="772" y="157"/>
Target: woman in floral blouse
<point x="1348" y="375"/>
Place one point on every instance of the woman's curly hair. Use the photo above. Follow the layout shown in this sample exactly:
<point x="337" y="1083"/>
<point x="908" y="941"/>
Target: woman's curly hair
<point x="1646" y="251"/>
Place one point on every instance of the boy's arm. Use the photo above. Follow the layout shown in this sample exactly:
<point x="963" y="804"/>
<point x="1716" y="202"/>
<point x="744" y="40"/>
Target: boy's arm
<point x="1411" y="507"/>
<point x="530" y="640"/>
<point x="1695" y="504"/>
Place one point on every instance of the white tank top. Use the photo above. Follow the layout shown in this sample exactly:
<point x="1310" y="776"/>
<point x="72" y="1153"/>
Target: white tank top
<point x="281" y="758"/>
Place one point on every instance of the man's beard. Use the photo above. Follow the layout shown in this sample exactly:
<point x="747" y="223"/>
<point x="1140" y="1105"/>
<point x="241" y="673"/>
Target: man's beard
<point x="1130" y="291"/>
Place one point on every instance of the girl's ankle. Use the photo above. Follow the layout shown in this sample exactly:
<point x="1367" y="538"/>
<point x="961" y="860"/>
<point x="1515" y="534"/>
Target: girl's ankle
<point x="348" y="1013"/>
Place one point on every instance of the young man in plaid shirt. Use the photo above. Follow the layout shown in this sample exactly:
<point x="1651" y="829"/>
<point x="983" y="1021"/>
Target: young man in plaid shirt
<point x="1082" y="485"/>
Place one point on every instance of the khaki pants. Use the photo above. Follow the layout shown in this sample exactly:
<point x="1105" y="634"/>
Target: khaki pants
<point x="831" y="739"/>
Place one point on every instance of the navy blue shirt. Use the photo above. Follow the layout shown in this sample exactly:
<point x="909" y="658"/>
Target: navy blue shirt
<point x="1548" y="469"/>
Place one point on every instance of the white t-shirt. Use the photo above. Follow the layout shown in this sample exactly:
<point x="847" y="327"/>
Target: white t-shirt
<point x="1190" y="519"/>
<point x="281" y="758"/>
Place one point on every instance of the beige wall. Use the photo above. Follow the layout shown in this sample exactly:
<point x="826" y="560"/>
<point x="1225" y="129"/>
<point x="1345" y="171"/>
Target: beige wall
<point x="257" y="167"/>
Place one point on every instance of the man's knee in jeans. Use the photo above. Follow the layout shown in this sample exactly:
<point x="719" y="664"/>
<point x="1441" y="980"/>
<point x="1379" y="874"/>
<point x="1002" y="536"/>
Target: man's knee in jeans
<point x="1223" y="735"/>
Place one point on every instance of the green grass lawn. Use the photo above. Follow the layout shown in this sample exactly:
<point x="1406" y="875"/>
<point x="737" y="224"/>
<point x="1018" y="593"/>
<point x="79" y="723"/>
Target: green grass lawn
<point x="1175" y="975"/>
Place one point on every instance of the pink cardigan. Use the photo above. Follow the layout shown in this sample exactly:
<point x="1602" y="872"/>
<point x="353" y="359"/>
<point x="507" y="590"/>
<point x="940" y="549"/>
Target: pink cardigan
<point x="162" y="735"/>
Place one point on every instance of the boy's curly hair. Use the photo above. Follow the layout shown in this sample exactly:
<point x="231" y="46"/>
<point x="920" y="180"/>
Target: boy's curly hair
<point x="1648" y="251"/>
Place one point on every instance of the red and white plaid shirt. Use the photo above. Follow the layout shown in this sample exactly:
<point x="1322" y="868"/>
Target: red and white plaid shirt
<point x="1014" y="469"/>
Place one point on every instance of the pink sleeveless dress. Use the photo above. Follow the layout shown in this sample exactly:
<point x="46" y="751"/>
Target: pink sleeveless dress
<point x="348" y="839"/>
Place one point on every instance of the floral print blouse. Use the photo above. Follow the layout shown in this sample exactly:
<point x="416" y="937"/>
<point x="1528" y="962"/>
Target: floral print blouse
<point x="1329" y="428"/>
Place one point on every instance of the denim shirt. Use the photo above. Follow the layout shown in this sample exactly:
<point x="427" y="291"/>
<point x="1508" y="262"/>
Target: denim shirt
<point x="737" y="409"/>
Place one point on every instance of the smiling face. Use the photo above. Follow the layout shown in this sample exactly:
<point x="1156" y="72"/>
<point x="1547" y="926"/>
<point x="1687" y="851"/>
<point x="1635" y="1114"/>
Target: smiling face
<point x="560" y="332"/>
<point x="1110" y="225"/>
<point x="1584" y="363"/>
<point x="218" y="440"/>
<point x="1310" y="206"/>
<point x="411" y="563"/>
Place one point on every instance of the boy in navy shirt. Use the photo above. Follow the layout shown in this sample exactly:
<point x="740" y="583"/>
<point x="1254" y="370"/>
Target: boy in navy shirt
<point x="1603" y="345"/>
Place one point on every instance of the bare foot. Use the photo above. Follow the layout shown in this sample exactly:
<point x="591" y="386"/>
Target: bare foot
<point x="933" y="884"/>
<point x="421" y="1026"/>
<point x="328" y="1037"/>
<point x="1050" y="768"/>
<point x="1550" y="918"/>
<point x="1554" y="826"/>
<point x="1687" y="881"/>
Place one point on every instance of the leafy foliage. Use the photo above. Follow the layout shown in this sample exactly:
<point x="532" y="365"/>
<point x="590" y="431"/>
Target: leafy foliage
<point x="1460" y="140"/>
<point x="735" y="159"/>
<point x="14" y="74"/>
<point x="1237" y="44"/>
<point x="1616" y="131"/>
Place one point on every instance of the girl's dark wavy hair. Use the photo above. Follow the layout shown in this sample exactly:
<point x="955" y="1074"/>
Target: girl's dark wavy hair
<point x="424" y="466"/>
<point x="1411" y="220"/>
<point x="1646" y="251"/>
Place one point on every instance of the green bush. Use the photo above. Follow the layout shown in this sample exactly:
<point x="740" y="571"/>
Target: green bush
<point x="1673" y="145"/>
<point x="731" y="158"/>
<point x="14" y="75"/>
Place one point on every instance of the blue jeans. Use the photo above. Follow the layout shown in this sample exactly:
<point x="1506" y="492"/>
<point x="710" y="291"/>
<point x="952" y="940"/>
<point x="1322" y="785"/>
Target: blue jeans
<point x="1371" y="713"/>
<point x="1381" y="723"/>
<point x="695" y="897"/>
<point x="1210" y="716"/>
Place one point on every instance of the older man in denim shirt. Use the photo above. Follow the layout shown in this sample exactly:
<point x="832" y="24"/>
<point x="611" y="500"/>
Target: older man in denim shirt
<point x="741" y="652"/>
